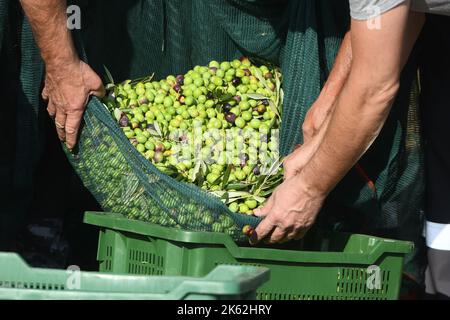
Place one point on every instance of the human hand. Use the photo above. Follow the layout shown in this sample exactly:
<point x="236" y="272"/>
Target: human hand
<point x="67" y="90"/>
<point x="289" y="213"/>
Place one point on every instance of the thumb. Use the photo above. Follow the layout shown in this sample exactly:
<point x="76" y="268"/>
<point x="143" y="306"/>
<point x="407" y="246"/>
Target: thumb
<point x="92" y="81"/>
<point x="264" y="211"/>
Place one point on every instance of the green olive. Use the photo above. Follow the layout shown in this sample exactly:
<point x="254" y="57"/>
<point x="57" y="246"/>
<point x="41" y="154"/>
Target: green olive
<point x="255" y="124"/>
<point x="140" y="147"/>
<point x="240" y="123"/>
<point x="189" y="101"/>
<point x="150" y="146"/>
<point x="243" y="208"/>
<point x="247" y="116"/>
<point x="251" y="204"/>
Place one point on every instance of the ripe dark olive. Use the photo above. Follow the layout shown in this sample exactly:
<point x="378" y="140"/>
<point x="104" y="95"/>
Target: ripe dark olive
<point x="227" y="107"/>
<point x="244" y="157"/>
<point x="256" y="171"/>
<point x="210" y="95"/>
<point x="230" y="117"/>
<point x="265" y="102"/>
<point x="177" y="88"/>
<point x="237" y="98"/>
<point x="236" y="81"/>
<point x="183" y="138"/>
<point x="159" y="147"/>
<point x="124" y="121"/>
<point x="268" y="75"/>
<point x="180" y="80"/>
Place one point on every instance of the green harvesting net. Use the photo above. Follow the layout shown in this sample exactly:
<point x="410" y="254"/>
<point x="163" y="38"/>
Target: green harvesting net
<point x="214" y="128"/>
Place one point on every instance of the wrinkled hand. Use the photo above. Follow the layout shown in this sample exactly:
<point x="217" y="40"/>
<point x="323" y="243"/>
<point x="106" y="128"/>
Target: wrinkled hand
<point x="289" y="213"/>
<point x="67" y="90"/>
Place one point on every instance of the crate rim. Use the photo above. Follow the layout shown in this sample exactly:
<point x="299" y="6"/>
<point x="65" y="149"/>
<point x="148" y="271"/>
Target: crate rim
<point x="379" y="248"/>
<point x="224" y="280"/>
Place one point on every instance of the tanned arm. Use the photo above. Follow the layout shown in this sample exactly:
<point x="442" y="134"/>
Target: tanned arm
<point x="379" y="56"/>
<point x="318" y="116"/>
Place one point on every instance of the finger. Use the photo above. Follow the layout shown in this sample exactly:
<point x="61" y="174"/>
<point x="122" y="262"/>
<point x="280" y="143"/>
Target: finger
<point x="264" y="211"/>
<point x="72" y="125"/>
<point x="278" y="236"/>
<point x="266" y="240"/>
<point x="60" y="124"/>
<point x="99" y="92"/>
<point x="298" y="235"/>
<point x="93" y="81"/>
<point x="51" y="109"/>
<point x="264" y="228"/>
<point x="45" y="94"/>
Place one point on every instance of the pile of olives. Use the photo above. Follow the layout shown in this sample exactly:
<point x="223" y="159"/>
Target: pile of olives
<point x="215" y="126"/>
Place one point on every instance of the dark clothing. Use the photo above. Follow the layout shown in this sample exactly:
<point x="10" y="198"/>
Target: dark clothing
<point x="435" y="101"/>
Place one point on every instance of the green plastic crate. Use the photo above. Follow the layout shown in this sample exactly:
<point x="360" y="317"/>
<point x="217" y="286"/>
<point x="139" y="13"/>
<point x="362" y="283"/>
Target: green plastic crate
<point x="338" y="268"/>
<point x="20" y="282"/>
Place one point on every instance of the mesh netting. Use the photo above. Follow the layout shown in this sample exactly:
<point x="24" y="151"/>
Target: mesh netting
<point x="125" y="182"/>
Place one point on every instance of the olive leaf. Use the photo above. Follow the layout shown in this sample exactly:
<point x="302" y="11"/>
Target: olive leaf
<point x="109" y="77"/>
<point x="274" y="108"/>
<point x="118" y="114"/>
<point x="204" y="168"/>
<point x="158" y="129"/>
<point x="237" y="186"/>
<point x="142" y="79"/>
<point x="256" y="96"/>
<point x="226" y="176"/>
<point x="225" y="97"/>
<point x="259" y="76"/>
<point x="195" y="171"/>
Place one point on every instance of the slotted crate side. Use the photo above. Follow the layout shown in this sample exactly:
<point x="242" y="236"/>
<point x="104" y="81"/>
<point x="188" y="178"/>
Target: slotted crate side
<point x="289" y="281"/>
<point x="138" y="255"/>
<point x="19" y="281"/>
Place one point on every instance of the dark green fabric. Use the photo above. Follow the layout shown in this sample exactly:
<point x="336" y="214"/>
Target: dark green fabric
<point x="21" y="75"/>
<point x="7" y="114"/>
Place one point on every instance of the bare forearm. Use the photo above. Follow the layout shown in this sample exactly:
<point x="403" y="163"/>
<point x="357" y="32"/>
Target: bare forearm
<point x="340" y="71"/>
<point x="366" y="99"/>
<point x="48" y="21"/>
<point x="350" y="132"/>
<point x="317" y="117"/>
